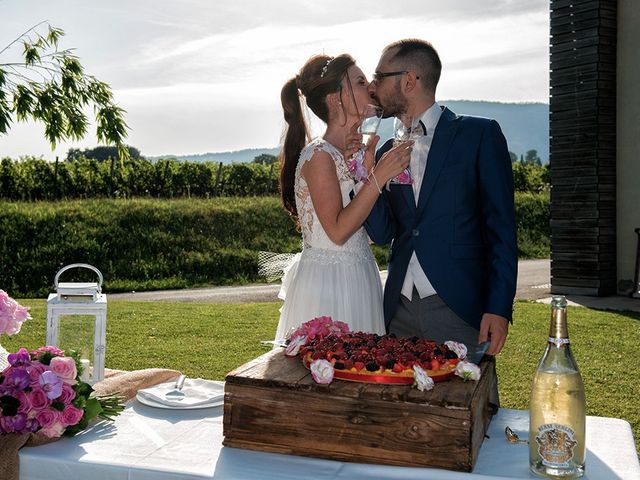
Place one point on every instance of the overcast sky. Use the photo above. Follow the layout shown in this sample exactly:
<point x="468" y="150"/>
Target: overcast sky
<point x="201" y="76"/>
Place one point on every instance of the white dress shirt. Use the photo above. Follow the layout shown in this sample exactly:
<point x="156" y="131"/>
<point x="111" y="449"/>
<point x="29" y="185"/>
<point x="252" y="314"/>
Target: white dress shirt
<point x="428" y="121"/>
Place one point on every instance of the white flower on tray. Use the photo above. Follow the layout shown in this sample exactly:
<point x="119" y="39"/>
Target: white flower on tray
<point x="421" y="380"/>
<point x="458" y="348"/>
<point x="294" y="345"/>
<point x="322" y="371"/>
<point x="468" y="371"/>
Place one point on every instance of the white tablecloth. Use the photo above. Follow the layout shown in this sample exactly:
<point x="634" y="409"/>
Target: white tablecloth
<point x="147" y="443"/>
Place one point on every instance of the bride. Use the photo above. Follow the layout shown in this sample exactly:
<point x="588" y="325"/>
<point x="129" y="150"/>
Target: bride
<point x="336" y="274"/>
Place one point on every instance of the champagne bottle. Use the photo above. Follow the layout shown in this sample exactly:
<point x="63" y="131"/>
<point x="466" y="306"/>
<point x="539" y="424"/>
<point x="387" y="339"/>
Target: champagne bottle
<point x="557" y="446"/>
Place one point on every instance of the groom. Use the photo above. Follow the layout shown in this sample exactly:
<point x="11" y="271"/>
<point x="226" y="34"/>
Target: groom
<point x="453" y="258"/>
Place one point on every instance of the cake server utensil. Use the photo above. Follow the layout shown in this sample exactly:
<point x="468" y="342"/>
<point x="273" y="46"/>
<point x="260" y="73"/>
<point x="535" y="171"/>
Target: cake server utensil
<point x="177" y="393"/>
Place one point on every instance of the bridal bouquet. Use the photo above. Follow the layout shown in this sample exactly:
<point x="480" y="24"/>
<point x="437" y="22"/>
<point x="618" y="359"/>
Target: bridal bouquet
<point x="41" y="391"/>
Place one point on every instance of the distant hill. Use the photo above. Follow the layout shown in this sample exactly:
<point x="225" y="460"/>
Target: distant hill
<point x="525" y="126"/>
<point x="237" y="156"/>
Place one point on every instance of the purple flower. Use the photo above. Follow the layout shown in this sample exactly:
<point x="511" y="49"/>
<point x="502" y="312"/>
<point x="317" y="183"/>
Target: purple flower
<point x="20" y="358"/>
<point x="16" y="379"/>
<point x="51" y="384"/>
<point x="12" y="421"/>
<point x="31" y="425"/>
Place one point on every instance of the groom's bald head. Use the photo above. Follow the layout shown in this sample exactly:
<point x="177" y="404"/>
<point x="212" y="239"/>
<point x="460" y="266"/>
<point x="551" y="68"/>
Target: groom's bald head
<point x="418" y="55"/>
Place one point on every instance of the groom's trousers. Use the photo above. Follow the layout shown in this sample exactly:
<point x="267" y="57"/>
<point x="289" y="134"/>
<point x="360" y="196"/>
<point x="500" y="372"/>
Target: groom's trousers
<point x="432" y="319"/>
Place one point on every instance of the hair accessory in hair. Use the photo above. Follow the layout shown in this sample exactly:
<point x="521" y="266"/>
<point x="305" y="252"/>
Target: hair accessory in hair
<point x="326" y="65"/>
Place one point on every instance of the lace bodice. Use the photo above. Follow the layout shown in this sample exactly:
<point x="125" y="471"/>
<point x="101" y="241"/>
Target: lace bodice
<point x="313" y="235"/>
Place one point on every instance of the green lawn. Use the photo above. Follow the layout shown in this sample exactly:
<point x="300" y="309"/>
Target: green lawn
<point x="209" y="340"/>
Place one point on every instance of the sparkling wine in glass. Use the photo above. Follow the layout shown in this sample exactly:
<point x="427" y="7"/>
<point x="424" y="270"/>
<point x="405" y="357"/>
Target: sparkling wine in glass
<point x="402" y="125"/>
<point x="372" y="115"/>
<point x="402" y="128"/>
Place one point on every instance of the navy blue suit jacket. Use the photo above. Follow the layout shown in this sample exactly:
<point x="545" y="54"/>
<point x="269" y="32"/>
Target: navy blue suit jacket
<point x="463" y="227"/>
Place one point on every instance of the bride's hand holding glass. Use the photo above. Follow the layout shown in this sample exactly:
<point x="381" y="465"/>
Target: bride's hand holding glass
<point x="353" y="141"/>
<point x="361" y="142"/>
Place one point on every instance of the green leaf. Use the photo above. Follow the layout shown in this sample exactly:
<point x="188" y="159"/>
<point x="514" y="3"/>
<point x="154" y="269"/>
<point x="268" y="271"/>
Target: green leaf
<point x="92" y="409"/>
<point x="77" y="123"/>
<point x="51" y="87"/>
<point x="54" y="35"/>
<point x="23" y="102"/>
<point x="72" y="65"/>
<point x="31" y="55"/>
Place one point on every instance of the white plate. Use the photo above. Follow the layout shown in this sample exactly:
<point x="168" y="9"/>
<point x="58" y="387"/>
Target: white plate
<point x="151" y="403"/>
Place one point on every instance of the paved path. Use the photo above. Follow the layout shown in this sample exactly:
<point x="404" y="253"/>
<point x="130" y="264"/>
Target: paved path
<point x="533" y="284"/>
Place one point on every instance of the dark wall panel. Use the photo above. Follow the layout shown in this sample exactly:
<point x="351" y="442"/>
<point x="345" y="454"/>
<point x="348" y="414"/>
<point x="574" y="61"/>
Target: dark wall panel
<point x="582" y="156"/>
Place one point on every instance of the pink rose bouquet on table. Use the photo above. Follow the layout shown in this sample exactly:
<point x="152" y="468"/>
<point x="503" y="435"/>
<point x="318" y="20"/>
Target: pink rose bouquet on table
<point x="12" y="314"/>
<point x="319" y="327"/>
<point x="40" y="392"/>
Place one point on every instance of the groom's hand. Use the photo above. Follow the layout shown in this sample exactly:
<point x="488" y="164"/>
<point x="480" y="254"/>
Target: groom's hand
<point x="495" y="328"/>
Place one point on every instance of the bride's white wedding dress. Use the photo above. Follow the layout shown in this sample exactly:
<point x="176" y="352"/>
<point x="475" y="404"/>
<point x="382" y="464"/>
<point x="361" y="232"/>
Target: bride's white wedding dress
<point x="340" y="281"/>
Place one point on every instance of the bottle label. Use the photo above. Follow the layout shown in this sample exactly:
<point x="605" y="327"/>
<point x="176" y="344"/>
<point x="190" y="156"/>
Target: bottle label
<point x="555" y="444"/>
<point x="558" y="341"/>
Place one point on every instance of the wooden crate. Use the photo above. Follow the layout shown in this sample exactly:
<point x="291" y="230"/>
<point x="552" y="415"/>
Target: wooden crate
<point x="272" y="404"/>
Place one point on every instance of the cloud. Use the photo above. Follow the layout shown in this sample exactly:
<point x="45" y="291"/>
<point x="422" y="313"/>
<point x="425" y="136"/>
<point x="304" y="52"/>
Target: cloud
<point x="187" y="72"/>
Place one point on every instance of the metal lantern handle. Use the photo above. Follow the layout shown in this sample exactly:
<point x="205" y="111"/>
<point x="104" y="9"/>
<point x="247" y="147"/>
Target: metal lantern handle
<point x="80" y="265"/>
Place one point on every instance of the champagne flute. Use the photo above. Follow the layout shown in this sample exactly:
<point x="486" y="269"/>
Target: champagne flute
<point x="402" y="126"/>
<point x="371" y="116"/>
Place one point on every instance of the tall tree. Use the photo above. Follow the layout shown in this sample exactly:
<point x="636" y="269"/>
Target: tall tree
<point x="265" y="159"/>
<point x="532" y="158"/>
<point x="102" y="153"/>
<point x="49" y="85"/>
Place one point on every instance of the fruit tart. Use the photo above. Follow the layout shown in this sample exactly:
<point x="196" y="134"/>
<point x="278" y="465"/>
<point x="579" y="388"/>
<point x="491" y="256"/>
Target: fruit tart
<point x="373" y="358"/>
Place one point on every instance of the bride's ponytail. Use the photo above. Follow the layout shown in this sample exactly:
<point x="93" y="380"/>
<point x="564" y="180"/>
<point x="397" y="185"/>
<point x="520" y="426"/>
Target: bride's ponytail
<point x="295" y="138"/>
<point x="319" y="77"/>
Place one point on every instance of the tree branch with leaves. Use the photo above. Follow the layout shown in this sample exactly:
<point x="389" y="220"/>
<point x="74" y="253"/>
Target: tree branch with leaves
<point x="48" y="84"/>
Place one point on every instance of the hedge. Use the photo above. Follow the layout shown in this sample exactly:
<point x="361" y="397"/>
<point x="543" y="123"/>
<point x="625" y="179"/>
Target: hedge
<point x="33" y="179"/>
<point x="147" y="244"/>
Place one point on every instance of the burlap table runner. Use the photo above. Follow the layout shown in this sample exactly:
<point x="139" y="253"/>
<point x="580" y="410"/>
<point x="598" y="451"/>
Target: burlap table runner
<point x="115" y="382"/>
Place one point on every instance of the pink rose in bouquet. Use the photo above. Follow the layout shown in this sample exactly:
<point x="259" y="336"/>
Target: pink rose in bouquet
<point x="41" y="392"/>
<point x="65" y="368"/>
<point x="38" y="399"/>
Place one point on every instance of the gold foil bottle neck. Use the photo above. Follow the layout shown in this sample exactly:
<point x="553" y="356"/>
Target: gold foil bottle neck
<point x="558" y="328"/>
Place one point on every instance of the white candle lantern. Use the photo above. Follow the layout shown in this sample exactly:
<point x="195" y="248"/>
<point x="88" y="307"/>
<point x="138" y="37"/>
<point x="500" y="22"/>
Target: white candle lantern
<point x="68" y="325"/>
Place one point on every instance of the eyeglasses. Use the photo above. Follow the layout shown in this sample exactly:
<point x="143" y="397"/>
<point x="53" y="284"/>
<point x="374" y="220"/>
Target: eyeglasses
<point x="377" y="76"/>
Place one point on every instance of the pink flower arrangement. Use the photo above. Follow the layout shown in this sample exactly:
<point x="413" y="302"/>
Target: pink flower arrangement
<point x="41" y="392"/>
<point x="404" y="178"/>
<point x="319" y="327"/>
<point x="12" y="314"/>
<point x="356" y="167"/>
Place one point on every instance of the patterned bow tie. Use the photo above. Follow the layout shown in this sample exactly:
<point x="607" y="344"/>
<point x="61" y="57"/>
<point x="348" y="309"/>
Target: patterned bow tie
<point x="419" y="130"/>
